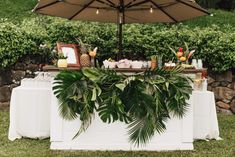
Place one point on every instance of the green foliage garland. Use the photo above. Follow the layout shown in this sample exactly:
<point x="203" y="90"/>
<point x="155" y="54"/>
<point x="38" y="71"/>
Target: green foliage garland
<point x="143" y="101"/>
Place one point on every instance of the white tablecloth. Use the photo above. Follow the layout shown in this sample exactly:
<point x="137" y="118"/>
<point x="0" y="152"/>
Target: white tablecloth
<point x="30" y="110"/>
<point x="102" y="136"/>
<point x="205" y="118"/>
<point x="31" y="102"/>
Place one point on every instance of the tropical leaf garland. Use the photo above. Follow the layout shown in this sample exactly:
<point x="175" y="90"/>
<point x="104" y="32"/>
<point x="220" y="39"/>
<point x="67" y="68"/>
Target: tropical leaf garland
<point x="143" y="101"/>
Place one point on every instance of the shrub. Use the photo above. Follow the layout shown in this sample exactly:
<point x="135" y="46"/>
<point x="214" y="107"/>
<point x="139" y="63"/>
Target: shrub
<point x="13" y="43"/>
<point x="222" y="4"/>
<point x="214" y="45"/>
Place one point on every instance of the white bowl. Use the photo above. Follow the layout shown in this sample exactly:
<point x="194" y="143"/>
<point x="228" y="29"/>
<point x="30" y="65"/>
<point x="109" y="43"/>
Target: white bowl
<point x="123" y="65"/>
<point x="110" y="65"/>
<point x="137" y="64"/>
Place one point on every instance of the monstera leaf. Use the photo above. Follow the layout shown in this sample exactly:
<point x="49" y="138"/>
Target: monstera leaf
<point x="111" y="107"/>
<point x="75" y="96"/>
<point x="66" y="90"/>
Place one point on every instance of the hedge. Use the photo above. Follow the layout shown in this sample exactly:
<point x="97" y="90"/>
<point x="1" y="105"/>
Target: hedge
<point x="221" y="4"/>
<point x="215" y="46"/>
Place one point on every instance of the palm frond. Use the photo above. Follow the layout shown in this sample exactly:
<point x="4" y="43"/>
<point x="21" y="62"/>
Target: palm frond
<point x="75" y="97"/>
<point x="86" y="114"/>
<point x="141" y="130"/>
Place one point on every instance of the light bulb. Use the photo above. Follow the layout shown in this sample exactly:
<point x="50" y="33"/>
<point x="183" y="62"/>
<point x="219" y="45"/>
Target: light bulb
<point x="97" y="11"/>
<point x="151" y="9"/>
<point x="120" y="18"/>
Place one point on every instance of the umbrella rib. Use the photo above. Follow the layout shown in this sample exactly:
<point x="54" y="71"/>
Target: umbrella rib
<point x="47" y="5"/>
<point x="87" y="5"/>
<point x="168" y="4"/>
<point x="135" y="4"/>
<point x="193" y="7"/>
<point x="108" y="4"/>
<point x="111" y="2"/>
<point x="129" y="3"/>
<point x="159" y="7"/>
<point x="100" y="1"/>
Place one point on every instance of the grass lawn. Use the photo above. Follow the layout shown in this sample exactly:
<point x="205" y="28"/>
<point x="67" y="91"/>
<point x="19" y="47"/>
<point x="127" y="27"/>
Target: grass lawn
<point x="16" y="10"/>
<point x="40" y="148"/>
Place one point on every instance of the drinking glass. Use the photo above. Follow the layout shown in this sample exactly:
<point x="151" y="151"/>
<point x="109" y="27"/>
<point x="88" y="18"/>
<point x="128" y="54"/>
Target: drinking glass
<point x="194" y="63"/>
<point x="199" y="64"/>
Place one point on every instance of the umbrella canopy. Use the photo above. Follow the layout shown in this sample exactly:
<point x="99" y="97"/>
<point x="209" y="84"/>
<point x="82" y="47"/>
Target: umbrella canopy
<point x="122" y="11"/>
<point x="133" y="11"/>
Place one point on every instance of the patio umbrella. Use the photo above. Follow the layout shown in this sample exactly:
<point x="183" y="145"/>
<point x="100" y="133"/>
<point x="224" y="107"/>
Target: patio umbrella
<point x="122" y="11"/>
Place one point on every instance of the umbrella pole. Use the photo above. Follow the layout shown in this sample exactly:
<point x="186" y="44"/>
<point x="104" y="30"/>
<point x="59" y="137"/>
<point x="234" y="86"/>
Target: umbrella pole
<point x="120" y="37"/>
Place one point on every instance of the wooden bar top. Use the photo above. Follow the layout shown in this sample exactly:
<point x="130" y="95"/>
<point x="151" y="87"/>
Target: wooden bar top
<point x="51" y="68"/>
<point x="55" y="68"/>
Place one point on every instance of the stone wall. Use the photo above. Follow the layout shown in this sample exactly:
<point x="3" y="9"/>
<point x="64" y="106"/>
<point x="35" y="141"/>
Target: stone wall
<point x="223" y="85"/>
<point x="10" y="78"/>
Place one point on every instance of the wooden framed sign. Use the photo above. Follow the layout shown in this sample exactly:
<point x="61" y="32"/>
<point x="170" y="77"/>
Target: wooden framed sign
<point x="71" y="51"/>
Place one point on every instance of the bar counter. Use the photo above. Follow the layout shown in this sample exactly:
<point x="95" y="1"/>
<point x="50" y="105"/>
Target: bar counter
<point x="51" y="68"/>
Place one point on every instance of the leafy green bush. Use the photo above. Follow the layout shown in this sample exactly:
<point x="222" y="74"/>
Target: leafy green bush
<point x="214" y="45"/>
<point x="222" y="4"/>
<point x="14" y="43"/>
<point x="17" y="41"/>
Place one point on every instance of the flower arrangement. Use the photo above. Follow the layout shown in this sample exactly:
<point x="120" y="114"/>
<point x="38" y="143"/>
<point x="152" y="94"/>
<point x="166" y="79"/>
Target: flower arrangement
<point x="183" y="56"/>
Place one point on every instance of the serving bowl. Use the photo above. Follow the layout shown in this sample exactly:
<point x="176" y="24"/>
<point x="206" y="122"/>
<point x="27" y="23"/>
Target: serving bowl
<point x="136" y="64"/>
<point x="110" y="65"/>
<point x="124" y="63"/>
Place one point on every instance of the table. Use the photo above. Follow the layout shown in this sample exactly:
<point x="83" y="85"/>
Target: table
<point x="30" y="110"/>
<point x="205" y="123"/>
<point x="51" y="68"/>
<point x="34" y="108"/>
<point x="199" y="123"/>
<point x="103" y="136"/>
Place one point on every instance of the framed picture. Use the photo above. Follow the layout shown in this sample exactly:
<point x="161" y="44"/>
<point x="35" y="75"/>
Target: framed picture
<point x="71" y="51"/>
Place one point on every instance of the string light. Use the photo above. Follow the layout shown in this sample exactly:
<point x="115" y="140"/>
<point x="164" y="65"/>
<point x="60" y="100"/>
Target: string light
<point x="151" y="9"/>
<point x="97" y="11"/>
<point x="120" y="17"/>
